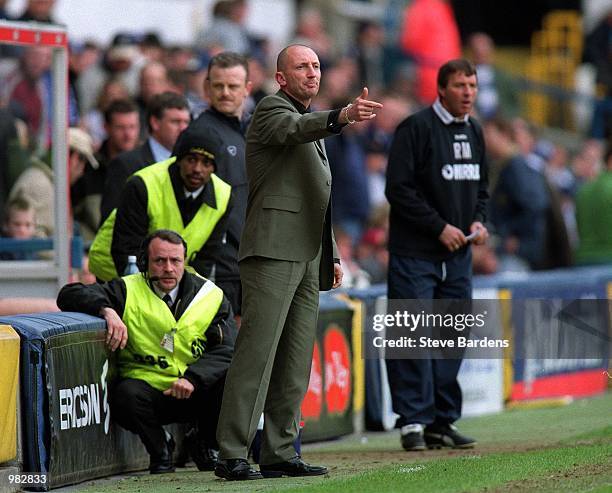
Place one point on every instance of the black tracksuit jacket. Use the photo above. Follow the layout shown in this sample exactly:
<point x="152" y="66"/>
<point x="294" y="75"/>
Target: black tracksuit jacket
<point x="437" y="175"/>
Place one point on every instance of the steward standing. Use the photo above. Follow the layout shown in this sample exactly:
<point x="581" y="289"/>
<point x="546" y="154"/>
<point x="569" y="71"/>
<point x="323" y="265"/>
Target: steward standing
<point x="182" y="194"/>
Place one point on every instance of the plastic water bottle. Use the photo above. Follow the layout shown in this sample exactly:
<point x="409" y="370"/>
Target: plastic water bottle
<point x="131" y="267"/>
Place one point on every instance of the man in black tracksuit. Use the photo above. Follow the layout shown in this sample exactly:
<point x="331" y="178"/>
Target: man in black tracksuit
<point x="437" y="189"/>
<point x="227" y="86"/>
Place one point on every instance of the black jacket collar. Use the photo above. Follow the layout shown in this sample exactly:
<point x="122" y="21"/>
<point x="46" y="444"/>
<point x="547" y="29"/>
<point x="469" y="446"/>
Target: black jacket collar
<point x="298" y="106"/>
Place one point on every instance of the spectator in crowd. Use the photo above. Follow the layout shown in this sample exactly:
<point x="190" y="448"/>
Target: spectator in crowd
<point x="338" y="83"/>
<point x="121" y="125"/>
<point x="195" y="74"/>
<point x="185" y="324"/>
<point x="594" y="217"/>
<point x="519" y="203"/>
<point x="525" y="208"/>
<point x="376" y="165"/>
<point x="93" y="121"/>
<point x="80" y="57"/>
<point x="122" y="61"/>
<point x="182" y="194"/>
<point x="429" y="36"/>
<point x="13" y="153"/>
<point x="36" y="182"/>
<point x="378" y="137"/>
<point x="369" y="52"/>
<point x="350" y="194"/>
<point x="287" y="254"/>
<point x="179" y="57"/>
<point x="497" y="95"/>
<point x="151" y="47"/>
<point x="557" y="250"/>
<point x="153" y="81"/>
<point x="587" y="163"/>
<point x="563" y="182"/>
<point x="168" y="116"/>
<point x="379" y="133"/>
<point x="259" y="81"/>
<point x="524" y="136"/>
<point x="437" y="189"/>
<point x="226" y="31"/>
<point x="19" y="222"/>
<point x="371" y="253"/>
<point x="310" y="31"/>
<point x="227" y="87"/>
<point x="26" y="94"/>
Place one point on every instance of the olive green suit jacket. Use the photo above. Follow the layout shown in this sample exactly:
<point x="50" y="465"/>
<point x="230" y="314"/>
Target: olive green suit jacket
<point x="289" y="209"/>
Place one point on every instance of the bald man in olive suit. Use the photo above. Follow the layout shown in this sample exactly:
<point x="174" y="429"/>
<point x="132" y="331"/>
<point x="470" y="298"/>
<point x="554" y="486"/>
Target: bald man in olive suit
<point x="287" y="254"/>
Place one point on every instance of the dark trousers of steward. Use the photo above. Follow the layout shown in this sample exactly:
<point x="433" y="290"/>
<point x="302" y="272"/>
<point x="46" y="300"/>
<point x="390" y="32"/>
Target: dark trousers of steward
<point x="426" y="391"/>
<point x="142" y="409"/>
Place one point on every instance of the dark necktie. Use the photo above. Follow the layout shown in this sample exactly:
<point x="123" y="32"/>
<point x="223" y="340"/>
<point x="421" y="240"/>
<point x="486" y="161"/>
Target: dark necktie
<point x="189" y="201"/>
<point x="168" y="300"/>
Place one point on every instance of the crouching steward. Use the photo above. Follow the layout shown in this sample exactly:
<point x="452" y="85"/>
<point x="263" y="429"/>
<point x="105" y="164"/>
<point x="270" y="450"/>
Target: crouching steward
<point x="175" y="334"/>
<point x="181" y="194"/>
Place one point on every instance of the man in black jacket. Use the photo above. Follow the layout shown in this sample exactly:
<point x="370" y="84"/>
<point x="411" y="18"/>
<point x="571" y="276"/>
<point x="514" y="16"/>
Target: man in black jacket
<point x="176" y="334"/>
<point x="227" y="87"/>
<point x="167" y="117"/>
<point x="437" y="189"/>
<point x="193" y="189"/>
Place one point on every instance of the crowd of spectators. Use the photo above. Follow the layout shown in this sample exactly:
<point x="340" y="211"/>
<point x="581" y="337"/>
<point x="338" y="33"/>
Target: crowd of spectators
<point x="113" y="89"/>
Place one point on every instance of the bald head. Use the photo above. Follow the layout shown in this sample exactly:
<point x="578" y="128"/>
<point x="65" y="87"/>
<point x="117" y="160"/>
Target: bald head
<point x="299" y="73"/>
<point x="281" y="60"/>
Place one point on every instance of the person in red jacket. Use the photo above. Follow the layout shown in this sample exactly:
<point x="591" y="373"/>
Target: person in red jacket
<point x="430" y="36"/>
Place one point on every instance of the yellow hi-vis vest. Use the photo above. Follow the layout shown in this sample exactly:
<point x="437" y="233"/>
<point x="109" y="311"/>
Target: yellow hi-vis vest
<point x="164" y="213"/>
<point x="148" y="319"/>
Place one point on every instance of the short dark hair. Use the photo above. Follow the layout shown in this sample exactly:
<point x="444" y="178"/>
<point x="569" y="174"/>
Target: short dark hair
<point x="162" y="102"/>
<point x="452" y="67"/>
<point x="229" y="59"/>
<point x="119" y="106"/>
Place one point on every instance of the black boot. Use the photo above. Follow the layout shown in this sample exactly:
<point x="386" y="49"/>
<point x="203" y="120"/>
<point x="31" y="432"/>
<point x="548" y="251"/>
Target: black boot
<point x="161" y="463"/>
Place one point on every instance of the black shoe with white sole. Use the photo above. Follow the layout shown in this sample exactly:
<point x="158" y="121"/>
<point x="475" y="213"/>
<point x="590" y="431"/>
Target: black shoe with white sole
<point x="412" y="437"/>
<point x="438" y="436"/>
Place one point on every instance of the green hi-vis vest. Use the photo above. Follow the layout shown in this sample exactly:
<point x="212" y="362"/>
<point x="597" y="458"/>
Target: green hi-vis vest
<point x="164" y="213"/>
<point x="148" y="319"/>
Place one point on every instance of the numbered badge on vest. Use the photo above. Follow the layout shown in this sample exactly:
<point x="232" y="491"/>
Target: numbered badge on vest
<point x="167" y="341"/>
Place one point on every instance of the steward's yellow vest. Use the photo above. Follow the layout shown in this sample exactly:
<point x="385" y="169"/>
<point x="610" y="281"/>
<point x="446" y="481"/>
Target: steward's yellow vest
<point x="148" y="319"/>
<point x="164" y="213"/>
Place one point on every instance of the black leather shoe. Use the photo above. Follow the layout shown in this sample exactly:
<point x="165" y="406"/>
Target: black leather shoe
<point x="236" y="470"/>
<point x="205" y="457"/>
<point x="292" y="467"/>
<point x="162" y="463"/>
